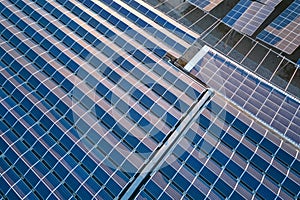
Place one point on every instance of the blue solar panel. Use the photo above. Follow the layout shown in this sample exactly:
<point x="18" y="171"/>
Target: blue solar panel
<point x="283" y="33"/>
<point x="151" y="29"/>
<point x="269" y="37"/>
<point x="247" y="15"/>
<point x="259" y="98"/>
<point x="236" y="12"/>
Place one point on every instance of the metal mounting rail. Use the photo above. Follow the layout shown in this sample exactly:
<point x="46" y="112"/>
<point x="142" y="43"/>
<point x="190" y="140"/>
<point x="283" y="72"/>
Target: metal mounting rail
<point x="167" y="146"/>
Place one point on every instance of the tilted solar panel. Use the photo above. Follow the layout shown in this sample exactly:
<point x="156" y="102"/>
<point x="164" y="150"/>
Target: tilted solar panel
<point x="261" y="99"/>
<point x="248" y="15"/>
<point x="271" y="3"/>
<point x="284" y="32"/>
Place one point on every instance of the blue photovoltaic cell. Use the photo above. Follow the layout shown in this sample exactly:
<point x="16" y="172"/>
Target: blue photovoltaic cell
<point x="287" y="16"/>
<point x="246" y="16"/>
<point x="261" y="99"/>
<point x="195" y="160"/>
<point x="286" y="28"/>
<point x="104" y="30"/>
<point x="206" y="5"/>
<point x="269" y="37"/>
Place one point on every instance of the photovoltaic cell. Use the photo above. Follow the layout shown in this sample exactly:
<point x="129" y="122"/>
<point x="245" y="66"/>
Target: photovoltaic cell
<point x="248" y="15"/>
<point x="284" y="32"/>
<point x="204" y="165"/>
<point x="206" y="5"/>
<point x="261" y="99"/>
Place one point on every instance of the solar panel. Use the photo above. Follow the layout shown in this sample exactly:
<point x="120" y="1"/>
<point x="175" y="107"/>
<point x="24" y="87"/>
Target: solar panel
<point x="260" y="98"/>
<point x="284" y="32"/>
<point x="248" y="15"/>
<point x="271" y="3"/>
<point x="80" y="116"/>
<point x="206" y="5"/>
<point x="223" y="154"/>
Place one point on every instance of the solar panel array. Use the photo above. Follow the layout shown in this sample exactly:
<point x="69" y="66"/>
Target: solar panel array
<point x="88" y="104"/>
<point x="84" y="103"/>
<point x="247" y="15"/>
<point x="284" y="32"/>
<point x="225" y="154"/>
<point x="261" y="99"/>
<point x="206" y="5"/>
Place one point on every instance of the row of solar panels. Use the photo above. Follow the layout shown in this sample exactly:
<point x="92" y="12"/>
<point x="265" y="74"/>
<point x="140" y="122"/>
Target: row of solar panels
<point x="86" y="97"/>
<point x="247" y="16"/>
